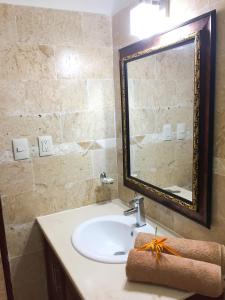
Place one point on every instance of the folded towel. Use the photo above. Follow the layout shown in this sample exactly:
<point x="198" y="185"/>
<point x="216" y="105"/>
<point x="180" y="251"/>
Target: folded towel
<point x="175" y="272"/>
<point x="210" y="252"/>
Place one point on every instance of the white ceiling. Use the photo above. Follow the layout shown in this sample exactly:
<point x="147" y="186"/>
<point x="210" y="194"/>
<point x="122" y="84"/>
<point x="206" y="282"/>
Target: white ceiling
<point x="108" y="7"/>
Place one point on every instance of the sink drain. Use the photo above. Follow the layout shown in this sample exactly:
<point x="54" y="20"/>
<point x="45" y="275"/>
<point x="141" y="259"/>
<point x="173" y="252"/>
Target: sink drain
<point x="120" y="253"/>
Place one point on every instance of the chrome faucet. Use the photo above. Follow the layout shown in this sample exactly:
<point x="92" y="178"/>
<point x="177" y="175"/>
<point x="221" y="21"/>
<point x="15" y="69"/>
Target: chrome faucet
<point x="138" y="209"/>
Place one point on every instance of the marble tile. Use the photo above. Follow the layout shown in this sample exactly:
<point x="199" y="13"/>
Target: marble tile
<point x="103" y="161"/>
<point x="41" y="96"/>
<point x="141" y="94"/>
<point x="75" y="194"/>
<point x="188" y="9"/>
<point x="160" y="213"/>
<point x="16" y="178"/>
<point x="174" y="116"/>
<point x="27" y="62"/>
<point x="8" y="33"/>
<point x="25" y="207"/>
<point x="23" y="239"/>
<point x="166" y="96"/>
<point x="96" y="30"/>
<point x="155" y="155"/>
<point x="46" y="26"/>
<point x="34" y="25"/>
<point x="171" y="65"/>
<point x="190" y="229"/>
<point x="184" y="152"/>
<point x="12" y="97"/>
<point x="61" y="170"/>
<point x="218" y="195"/>
<point x="220" y="8"/>
<point x="29" y="127"/>
<point x="219" y="166"/>
<point x="185" y="93"/>
<point x="144" y="69"/>
<point x="88" y="125"/>
<point x="102" y="68"/>
<point x="142" y="121"/>
<point x="68" y="63"/>
<point x="101" y="193"/>
<point x="67" y="28"/>
<point x="81" y="193"/>
<point x="125" y="193"/>
<point x="72" y="95"/>
<point x="48" y="96"/>
<point x="100" y="94"/>
<point x="80" y="62"/>
<point x="219" y="134"/>
<point x="219" y="95"/>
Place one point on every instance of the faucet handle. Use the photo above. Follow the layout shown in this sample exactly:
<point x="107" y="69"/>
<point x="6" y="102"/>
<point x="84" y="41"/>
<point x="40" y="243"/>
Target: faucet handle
<point x="137" y="200"/>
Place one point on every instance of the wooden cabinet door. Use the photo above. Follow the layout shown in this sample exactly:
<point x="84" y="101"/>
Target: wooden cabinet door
<point x="59" y="285"/>
<point x="55" y="276"/>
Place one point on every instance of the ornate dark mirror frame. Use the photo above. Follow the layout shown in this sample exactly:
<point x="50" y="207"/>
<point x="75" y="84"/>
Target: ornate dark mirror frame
<point x="201" y="31"/>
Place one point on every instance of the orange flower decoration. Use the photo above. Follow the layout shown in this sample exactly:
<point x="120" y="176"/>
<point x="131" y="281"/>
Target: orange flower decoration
<point x="158" y="246"/>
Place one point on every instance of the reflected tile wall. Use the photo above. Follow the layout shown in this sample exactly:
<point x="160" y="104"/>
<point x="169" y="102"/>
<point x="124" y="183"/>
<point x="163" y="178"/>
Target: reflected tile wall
<point x="181" y="11"/>
<point x="161" y="92"/>
<point x="56" y="78"/>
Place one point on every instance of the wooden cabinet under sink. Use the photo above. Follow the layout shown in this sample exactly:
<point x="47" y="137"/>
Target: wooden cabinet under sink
<point x="60" y="286"/>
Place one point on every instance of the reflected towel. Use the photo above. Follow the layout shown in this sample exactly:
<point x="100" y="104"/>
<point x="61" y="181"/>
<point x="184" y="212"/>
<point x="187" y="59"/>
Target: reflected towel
<point x="175" y="272"/>
<point x="210" y="252"/>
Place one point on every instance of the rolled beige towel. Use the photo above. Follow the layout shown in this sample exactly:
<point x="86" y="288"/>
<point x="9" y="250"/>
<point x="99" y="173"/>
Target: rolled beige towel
<point x="175" y="272"/>
<point x="210" y="252"/>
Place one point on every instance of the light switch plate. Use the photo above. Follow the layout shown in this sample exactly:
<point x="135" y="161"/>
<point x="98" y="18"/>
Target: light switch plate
<point x="21" y="149"/>
<point x="45" y="145"/>
<point x="167" y="132"/>
<point x="181" y="131"/>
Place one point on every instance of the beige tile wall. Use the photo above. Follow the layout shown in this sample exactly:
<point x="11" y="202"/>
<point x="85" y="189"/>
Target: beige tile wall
<point x="183" y="10"/>
<point x="56" y="78"/>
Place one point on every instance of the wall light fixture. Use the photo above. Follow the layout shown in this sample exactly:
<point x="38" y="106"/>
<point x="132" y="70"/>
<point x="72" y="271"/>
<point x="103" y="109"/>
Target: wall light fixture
<point x="149" y="17"/>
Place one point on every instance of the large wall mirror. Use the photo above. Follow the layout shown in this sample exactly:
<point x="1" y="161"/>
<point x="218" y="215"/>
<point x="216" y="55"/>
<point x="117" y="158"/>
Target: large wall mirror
<point x="167" y="85"/>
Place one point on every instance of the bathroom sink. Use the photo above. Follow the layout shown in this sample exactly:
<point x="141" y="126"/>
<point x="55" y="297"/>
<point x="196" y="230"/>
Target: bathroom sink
<point x="107" y="239"/>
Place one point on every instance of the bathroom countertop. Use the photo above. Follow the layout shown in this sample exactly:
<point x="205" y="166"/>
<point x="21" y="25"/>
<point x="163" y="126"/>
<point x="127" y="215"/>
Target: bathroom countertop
<point x="94" y="280"/>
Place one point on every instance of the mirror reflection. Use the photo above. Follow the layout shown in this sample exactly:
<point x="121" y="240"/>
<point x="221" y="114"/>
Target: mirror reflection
<point x="161" y="97"/>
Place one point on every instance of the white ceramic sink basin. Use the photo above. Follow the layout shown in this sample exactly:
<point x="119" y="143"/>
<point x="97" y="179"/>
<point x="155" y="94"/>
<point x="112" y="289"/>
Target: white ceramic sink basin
<point x="107" y="239"/>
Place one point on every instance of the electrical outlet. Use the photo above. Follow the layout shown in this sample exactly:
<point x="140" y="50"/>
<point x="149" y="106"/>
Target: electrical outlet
<point x="45" y="145"/>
